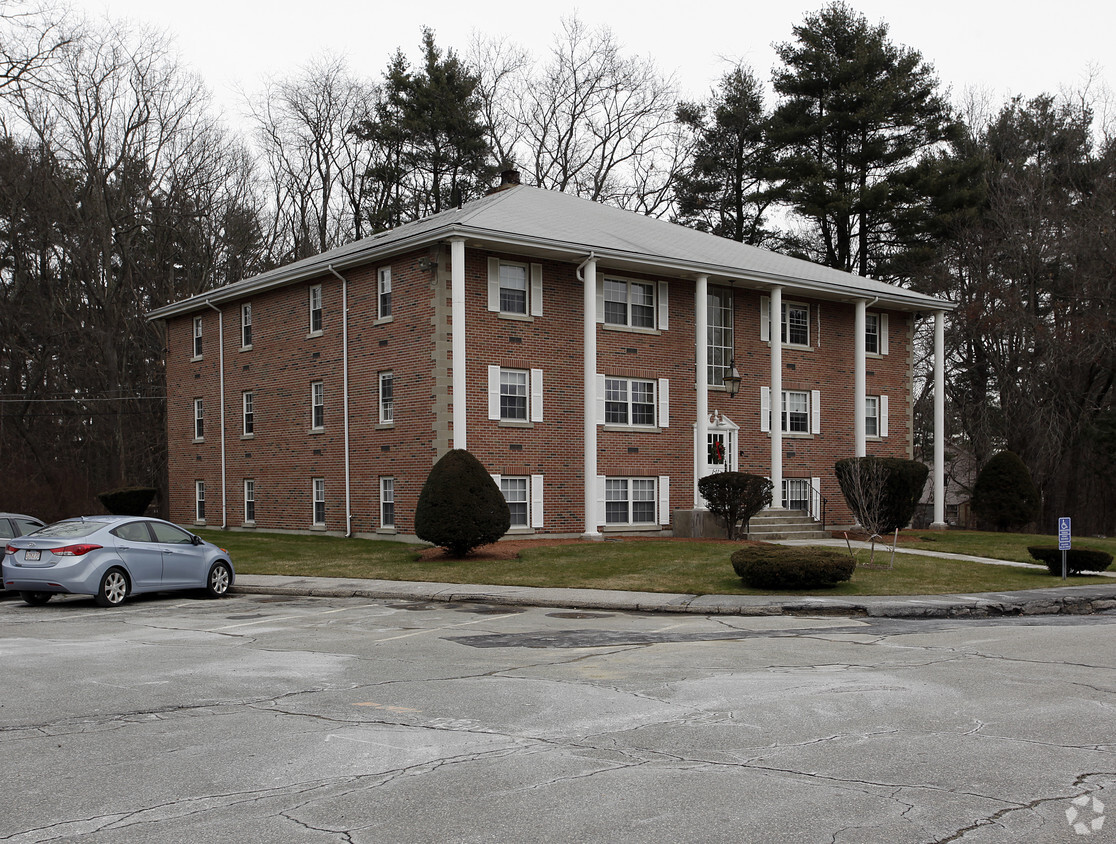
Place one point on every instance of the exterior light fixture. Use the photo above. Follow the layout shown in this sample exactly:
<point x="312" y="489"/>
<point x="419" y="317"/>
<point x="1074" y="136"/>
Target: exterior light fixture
<point x="732" y="379"/>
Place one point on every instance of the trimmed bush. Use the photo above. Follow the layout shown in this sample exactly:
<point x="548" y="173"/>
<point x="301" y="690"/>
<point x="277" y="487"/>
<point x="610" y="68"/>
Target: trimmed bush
<point x="783" y="567"/>
<point x="882" y="492"/>
<point x="1077" y="559"/>
<point x="1004" y="495"/>
<point x="734" y="497"/>
<point x="460" y="507"/>
<point x="129" y="501"/>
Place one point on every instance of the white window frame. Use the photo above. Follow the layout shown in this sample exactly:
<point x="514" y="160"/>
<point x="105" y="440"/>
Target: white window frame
<point x="317" y="405"/>
<point x="875" y="412"/>
<point x="721" y="337"/>
<point x="246" y="325"/>
<point x="813" y="406"/>
<point x="199" y="419"/>
<point x="248" y="413"/>
<point x="196" y="346"/>
<point x="249" y="501"/>
<point x="534" y="395"/>
<point x="387" y="502"/>
<point x="315" y="309"/>
<point x="876" y="328"/>
<point x="199" y="501"/>
<point x="387" y="408"/>
<point x="659" y="309"/>
<point x="619" y="489"/>
<point x="533" y="282"/>
<point x="784" y="328"/>
<point x="522" y="499"/>
<point x="318" y="502"/>
<point x="383" y="293"/>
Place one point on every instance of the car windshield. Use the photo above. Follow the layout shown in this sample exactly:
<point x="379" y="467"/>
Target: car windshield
<point x="71" y="530"/>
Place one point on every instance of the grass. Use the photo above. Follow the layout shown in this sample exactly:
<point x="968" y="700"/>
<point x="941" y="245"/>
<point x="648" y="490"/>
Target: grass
<point x="998" y="546"/>
<point x="690" y="567"/>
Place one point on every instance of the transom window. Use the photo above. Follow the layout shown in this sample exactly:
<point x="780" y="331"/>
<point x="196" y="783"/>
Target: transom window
<point x="796" y="324"/>
<point x="629" y="501"/>
<point x="629" y="402"/>
<point x="720" y="334"/>
<point x="387" y="397"/>
<point x="246" y="325"/>
<point x="383" y="302"/>
<point x="513" y="394"/>
<point x="515" y="493"/>
<point x="315" y="308"/>
<point x="630" y="303"/>
<point x="796" y="412"/>
<point x="197" y="337"/>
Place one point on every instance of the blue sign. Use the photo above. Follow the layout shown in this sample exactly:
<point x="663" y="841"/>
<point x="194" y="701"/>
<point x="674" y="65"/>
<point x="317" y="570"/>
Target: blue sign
<point x="1064" y="533"/>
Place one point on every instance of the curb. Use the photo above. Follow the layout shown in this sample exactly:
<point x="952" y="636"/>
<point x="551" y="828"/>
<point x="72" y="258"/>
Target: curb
<point x="1070" y="600"/>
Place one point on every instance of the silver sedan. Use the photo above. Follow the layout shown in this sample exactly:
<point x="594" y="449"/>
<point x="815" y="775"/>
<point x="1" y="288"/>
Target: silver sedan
<point x="112" y="557"/>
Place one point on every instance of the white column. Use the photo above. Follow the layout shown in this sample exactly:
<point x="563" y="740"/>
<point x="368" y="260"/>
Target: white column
<point x="859" y="380"/>
<point x="589" y="367"/>
<point x="701" y="366"/>
<point x="457" y="327"/>
<point x="776" y="335"/>
<point x="939" y="420"/>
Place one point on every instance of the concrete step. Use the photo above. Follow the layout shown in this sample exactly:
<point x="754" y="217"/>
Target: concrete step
<point x="770" y="526"/>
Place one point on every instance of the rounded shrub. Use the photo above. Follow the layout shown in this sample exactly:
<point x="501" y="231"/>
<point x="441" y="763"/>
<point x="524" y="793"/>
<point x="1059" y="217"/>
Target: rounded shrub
<point x="784" y="567"/>
<point x="1077" y="559"/>
<point x="734" y="497"/>
<point x="460" y="507"/>
<point x="1004" y="495"/>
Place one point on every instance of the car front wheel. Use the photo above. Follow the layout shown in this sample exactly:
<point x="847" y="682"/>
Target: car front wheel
<point x="114" y="588"/>
<point x="35" y="599"/>
<point x="220" y="577"/>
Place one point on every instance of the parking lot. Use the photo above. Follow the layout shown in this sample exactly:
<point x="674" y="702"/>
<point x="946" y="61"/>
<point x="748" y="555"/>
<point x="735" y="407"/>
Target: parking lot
<point x="262" y="718"/>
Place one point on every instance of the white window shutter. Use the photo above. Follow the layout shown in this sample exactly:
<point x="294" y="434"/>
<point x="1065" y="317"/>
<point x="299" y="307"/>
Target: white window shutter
<point x="600" y="399"/>
<point x="496" y="479"/>
<point x="883" y="334"/>
<point x="883" y="416"/>
<point x="664" y="499"/>
<point x="600" y="516"/>
<point x="536" y="290"/>
<point x="536" y="395"/>
<point x="765" y="319"/>
<point x="664" y="402"/>
<point x="600" y="299"/>
<point x="815" y="496"/>
<point x="494" y="392"/>
<point x="664" y="306"/>
<point x="815" y="411"/>
<point x="494" y="284"/>
<point x="536" y="501"/>
<point x="765" y="408"/>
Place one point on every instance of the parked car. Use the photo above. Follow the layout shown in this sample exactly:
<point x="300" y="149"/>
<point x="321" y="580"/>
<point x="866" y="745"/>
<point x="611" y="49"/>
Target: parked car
<point x="112" y="557"/>
<point x="16" y="524"/>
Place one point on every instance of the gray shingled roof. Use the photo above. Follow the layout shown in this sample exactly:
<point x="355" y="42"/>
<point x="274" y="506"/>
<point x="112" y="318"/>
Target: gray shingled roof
<point x="529" y="220"/>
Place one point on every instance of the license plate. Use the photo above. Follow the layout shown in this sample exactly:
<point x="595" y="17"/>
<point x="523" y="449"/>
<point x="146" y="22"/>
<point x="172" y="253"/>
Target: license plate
<point x="31" y="556"/>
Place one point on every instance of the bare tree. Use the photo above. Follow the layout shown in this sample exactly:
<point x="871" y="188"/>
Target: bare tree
<point x="32" y="35"/>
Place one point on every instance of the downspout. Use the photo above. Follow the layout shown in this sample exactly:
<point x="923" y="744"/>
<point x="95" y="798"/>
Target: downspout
<point x="589" y="396"/>
<point x="221" y="388"/>
<point x="345" y="394"/>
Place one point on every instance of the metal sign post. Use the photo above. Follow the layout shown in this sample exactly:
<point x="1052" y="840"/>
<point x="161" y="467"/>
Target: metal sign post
<point x="1064" y="538"/>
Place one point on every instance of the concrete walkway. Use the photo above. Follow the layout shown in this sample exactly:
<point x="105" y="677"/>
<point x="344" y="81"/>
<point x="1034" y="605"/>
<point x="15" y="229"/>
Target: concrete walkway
<point x="1071" y="599"/>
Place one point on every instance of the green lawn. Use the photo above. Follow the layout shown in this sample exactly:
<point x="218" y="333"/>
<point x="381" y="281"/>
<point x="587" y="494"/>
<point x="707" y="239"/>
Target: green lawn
<point x="999" y="546"/>
<point x="691" y="567"/>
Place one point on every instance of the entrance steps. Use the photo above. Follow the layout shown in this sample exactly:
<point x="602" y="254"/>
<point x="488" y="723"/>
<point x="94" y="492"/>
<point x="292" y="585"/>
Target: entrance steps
<point x="773" y="525"/>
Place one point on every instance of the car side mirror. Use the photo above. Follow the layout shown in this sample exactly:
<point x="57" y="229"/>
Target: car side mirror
<point x="195" y="539"/>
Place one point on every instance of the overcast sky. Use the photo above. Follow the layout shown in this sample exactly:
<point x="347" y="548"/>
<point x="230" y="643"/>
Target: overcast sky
<point x="999" y="47"/>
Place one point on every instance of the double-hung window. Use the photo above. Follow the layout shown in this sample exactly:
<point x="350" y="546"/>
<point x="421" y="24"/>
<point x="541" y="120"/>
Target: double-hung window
<point x="199" y="500"/>
<point x="515" y="493"/>
<point x="387" y="398"/>
<point x="319" y="501"/>
<point x="875" y="416"/>
<point x="315" y="309"/>
<point x="197" y="336"/>
<point x="383" y="300"/>
<point x="799" y="411"/>
<point x="246" y="326"/>
<point x="248" y="404"/>
<point x="199" y="419"/>
<point x="629" y="303"/>
<point x="629" y="402"/>
<point x="796" y="324"/>
<point x="720" y="334"/>
<point x="387" y="502"/>
<point x="630" y="501"/>
<point x="514" y="289"/>
<point x="875" y="334"/>
<point x="515" y="395"/>
<point x="796" y="412"/>
<point x="317" y="405"/>
<point x="249" y="500"/>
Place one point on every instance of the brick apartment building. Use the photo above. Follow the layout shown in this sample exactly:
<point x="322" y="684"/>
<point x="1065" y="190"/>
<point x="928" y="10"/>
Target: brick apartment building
<point x="579" y="351"/>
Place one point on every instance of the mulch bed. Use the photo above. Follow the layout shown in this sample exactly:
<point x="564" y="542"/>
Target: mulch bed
<point x="509" y="549"/>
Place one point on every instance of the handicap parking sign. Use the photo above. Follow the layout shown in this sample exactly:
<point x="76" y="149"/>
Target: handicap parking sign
<point x="1064" y="533"/>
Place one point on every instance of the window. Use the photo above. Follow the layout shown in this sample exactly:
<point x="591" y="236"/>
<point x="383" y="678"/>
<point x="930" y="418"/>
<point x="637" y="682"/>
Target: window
<point x="720" y="334"/>
<point x="629" y="402"/>
<point x="197" y="336"/>
<point x="875" y="334"/>
<point x="796" y="494"/>
<point x="248" y="401"/>
<point x="199" y="500"/>
<point x="383" y="300"/>
<point x="319" y="501"/>
<point x="515" y="493"/>
<point x="387" y="502"/>
<point x="796" y="324"/>
<point x="249" y="500"/>
<point x="514" y="289"/>
<point x="317" y="405"/>
<point x="515" y="395"/>
<point x="245" y="326"/>
<point x="629" y="501"/>
<point x="199" y="419"/>
<point x="387" y="398"/>
<point x="316" y="309"/>
<point x="630" y="303"/>
<point x="796" y="412"/>
<point x="875" y="416"/>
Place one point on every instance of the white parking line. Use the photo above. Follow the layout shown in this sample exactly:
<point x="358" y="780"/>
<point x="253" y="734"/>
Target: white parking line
<point x="446" y="627"/>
